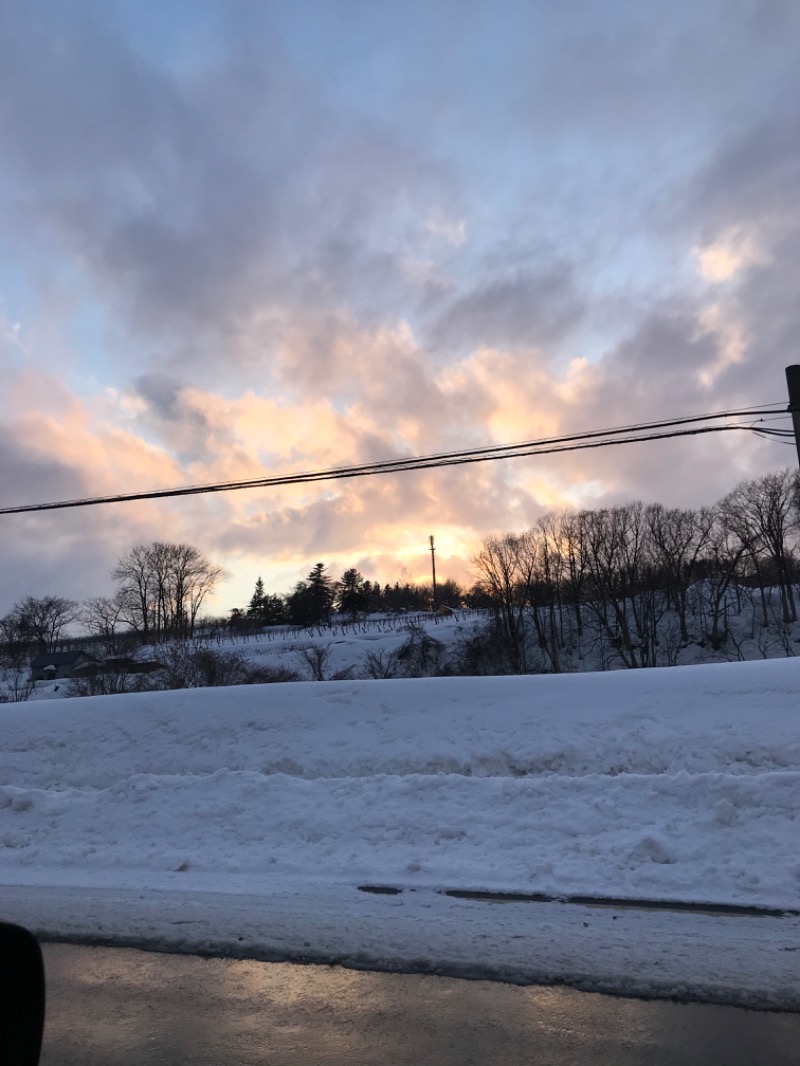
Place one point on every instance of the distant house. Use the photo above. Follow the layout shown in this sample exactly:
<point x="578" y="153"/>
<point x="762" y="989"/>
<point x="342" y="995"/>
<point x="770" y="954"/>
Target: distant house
<point x="123" y="664"/>
<point x="53" y="665"/>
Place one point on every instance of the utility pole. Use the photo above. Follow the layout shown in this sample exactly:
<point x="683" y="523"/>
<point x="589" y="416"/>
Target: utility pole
<point x="793" y="383"/>
<point x="433" y="561"/>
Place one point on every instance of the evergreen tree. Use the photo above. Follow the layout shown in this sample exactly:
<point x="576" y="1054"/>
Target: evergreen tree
<point x="274" y="609"/>
<point x="372" y="591"/>
<point x="321" y="592"/>
<point x="255" y="608"/>
<point x="449" y="593"/>
<point x="311" y="601"/>
<point x="352" y="597"/>
<point x="299" y="606"/>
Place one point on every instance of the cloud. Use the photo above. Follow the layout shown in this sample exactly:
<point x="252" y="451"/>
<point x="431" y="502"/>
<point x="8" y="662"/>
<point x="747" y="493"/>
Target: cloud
<point x="728" y="255"/>
<point x="271" y="249"/>
<point x="453" y="230"/>
<point x="203" y="207"/>
<point x="519" y="311"/>
<point x="198" y="437"/>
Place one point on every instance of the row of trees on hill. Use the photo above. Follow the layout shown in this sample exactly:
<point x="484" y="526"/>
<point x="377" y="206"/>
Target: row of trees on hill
<point x="36" y="624"/>
<point x="639" y="582"/>
<point x="314" y="600"/>
<point x="160" y="590"/>
<point x="630" y="585"/>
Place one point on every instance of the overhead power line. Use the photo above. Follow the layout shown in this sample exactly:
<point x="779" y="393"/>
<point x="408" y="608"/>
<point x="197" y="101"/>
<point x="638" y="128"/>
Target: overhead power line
<point x="632" y="434"/>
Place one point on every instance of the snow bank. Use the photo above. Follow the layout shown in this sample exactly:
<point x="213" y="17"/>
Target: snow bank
<point x="680" y="784"/>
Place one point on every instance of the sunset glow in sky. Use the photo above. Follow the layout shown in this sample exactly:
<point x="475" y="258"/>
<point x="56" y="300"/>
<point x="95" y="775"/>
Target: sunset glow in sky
<point x="240" y="238"/>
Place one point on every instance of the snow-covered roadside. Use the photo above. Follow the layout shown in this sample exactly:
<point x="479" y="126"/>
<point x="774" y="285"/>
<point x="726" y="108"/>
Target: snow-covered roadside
<point x="258" y="811"/>
<point x="739" y="961"/>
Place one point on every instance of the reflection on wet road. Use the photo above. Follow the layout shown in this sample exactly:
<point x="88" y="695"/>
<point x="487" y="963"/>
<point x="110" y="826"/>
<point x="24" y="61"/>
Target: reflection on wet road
<point x="121" y="1007"/>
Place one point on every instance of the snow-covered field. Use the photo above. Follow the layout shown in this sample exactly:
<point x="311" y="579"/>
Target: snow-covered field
<point x="249" y="819"/>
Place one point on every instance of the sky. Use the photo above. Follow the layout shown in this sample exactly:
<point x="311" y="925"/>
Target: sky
<point x="246" y="238"/>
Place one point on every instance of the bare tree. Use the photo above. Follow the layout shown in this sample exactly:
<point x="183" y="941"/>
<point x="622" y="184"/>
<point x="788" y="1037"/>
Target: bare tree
<point x="315" y="658"/>
<point x="163" y="587"/>
<point x="378" y="664"/>
<point x="572" y="536"/>
<point x="108" y="682"/>
<point x="725" y="550"/>
<point x="191" y="577"/>
<point x="764" y="512"/>
<point x="623" y="593"/>
<point x="420" y="654"/>
<point x="192" y="664"/>
<point x="134" y="572"/>
<point x="505" y="568"/>
<point x="101" y="615"/>
<point x="678" y="542"/>
<point x="15" y="645"/>
<point x="547" y="593"/>
<point x="17" y="685"/>
<point x="42" y="621"/>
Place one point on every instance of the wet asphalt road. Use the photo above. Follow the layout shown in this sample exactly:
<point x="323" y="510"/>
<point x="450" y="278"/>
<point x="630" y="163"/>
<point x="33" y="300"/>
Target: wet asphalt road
<point x="121" y="1007"/>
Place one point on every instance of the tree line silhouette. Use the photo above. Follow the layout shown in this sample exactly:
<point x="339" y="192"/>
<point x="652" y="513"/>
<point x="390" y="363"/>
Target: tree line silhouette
<point x="628" y="585"/>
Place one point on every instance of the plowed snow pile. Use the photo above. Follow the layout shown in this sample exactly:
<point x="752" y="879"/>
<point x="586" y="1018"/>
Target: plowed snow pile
<point x="678" y="783"/>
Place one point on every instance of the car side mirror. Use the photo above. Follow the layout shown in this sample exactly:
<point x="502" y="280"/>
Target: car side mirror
<point x="21" y="996"/>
